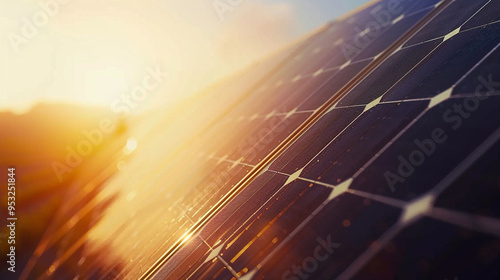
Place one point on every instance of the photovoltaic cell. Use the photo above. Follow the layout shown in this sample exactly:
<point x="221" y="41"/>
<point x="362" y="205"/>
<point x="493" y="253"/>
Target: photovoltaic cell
<point x="432" y="249"/>
<point x="361" y="141"/>
<point x="387" y="74"/>
<point x="483" y="78"/>
<point x="477" y="191"/>
<point x="302" y="151"/>
<point x="329" y="88"/>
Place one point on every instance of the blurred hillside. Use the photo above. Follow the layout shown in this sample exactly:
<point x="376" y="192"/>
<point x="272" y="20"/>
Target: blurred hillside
<point x="38" y="144"/>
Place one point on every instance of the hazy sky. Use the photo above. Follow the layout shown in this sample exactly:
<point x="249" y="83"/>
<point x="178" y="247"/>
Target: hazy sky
<point x="94" y="51"/>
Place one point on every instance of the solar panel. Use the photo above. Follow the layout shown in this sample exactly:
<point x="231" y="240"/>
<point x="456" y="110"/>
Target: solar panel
<point x="345" y="150"/>
<point x="333" y="159"/>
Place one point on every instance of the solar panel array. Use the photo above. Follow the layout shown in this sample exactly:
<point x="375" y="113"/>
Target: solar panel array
<point x="368" y="150"/>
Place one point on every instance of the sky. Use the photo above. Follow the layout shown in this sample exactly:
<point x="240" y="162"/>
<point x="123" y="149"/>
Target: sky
<point x="94" y="51"/>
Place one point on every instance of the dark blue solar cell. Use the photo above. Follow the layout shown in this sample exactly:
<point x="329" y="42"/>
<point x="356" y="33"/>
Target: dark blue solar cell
<point x="486" y="15"/>
<point x="431" y="249"/>
<point x="381" y="42"/>
<point x="293" y="98"/>
<point x="484" y="78"/>
<point x="347" y="225"/>
<point x="477" y="191"/>
<point x="447" y="64"/>
<point x="387" y="74"/>
<point x="451" y="18"/>
<point x="332" y="86"/>
<point x="361" y="141"/>
<point x="317" y="137"/>
<point x="431" y="148"/>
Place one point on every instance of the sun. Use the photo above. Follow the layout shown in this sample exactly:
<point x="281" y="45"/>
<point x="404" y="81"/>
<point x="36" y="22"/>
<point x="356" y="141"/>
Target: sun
<point x="102" y="82"/>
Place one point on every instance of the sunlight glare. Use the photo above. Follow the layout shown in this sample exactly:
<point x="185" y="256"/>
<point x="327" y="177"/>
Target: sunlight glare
<point x="130" y="146"/>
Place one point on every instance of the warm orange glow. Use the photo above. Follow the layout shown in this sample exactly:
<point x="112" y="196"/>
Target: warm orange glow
<point x="83" y="55"/>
